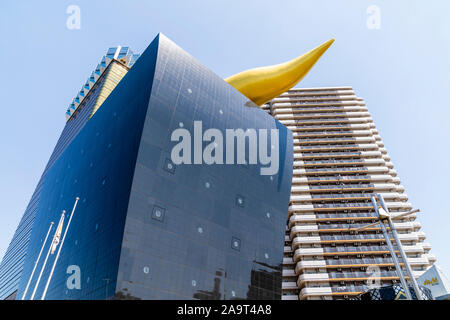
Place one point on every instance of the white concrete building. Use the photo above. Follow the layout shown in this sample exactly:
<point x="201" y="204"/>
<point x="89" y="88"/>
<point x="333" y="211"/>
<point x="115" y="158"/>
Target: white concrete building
<point x="339" y="162"/>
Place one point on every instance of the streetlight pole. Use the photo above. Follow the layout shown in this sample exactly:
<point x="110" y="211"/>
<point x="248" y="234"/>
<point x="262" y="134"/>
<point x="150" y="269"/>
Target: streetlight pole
<point x="400" y="249"/>
<point x="391" y="249"/>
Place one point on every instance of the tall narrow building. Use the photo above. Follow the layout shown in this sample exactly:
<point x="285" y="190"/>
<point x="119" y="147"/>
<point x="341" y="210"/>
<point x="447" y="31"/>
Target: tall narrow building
<point x="339" y="162"/>
<point x="111" y="69"/>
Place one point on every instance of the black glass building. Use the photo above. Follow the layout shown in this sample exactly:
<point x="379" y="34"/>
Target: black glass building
<point x="144" y="227"/>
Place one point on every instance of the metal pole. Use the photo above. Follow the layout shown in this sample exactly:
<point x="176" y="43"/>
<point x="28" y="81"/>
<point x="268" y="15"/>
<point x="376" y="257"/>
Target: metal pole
<point x="392" y="251"/>
<point x="37" y="261"/>
<point x="106" y="287"/>
<point x="402" y="252"/>
<point x="45" y="263"/>
<point x="59" y="250"/>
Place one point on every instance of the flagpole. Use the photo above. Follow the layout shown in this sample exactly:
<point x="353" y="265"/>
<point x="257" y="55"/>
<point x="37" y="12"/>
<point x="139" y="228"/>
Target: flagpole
<point x="59" y="250"/>
<point x="37" y="261"/>
<point x="43" y="266"/>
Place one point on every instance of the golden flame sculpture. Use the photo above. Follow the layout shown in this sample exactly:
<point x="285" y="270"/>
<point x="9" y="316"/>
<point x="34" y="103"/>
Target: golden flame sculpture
<point x="265" y="83"/>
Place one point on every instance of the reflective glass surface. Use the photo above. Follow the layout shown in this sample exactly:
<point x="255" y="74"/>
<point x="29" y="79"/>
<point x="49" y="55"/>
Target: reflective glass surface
<point x="221" y="233"/>
<point x="97" y="166"/>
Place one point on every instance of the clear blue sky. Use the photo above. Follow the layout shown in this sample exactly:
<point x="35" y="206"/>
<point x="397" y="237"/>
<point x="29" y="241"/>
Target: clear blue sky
<point x="401" y="70"/>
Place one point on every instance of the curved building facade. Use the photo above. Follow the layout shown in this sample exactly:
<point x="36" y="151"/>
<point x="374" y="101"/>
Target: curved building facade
<point x="146" y="227"/>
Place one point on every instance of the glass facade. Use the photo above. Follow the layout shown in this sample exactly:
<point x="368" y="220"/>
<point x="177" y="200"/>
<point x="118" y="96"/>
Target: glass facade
<point x="97" y="166"/>
<point x="219" y="234"/>
<point x="12" y="263"/>
<point x="145" y="228"/>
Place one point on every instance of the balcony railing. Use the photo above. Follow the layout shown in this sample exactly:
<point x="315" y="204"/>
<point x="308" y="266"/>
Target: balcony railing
<point x="343" y="187"/>
<point x="339" y="178"/>
<point x="349" y="215"/>
<point x="336" y="169"/>
<point x="339" y="249"/>
<point x="365" y="261"/>
<point x="341" y="195"/>
<point x="363" y="275"/>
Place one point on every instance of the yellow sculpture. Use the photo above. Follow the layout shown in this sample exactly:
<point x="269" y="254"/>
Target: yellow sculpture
<point x="265" y="83"/>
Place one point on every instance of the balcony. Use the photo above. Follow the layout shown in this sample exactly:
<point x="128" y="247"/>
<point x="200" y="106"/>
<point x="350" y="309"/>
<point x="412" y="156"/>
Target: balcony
<point x="361" y="276"/>
<point x="312" y="277"/>
<point x="430" y="257"/>
<point x="329" y="133"/>
<point x="408" y="236"/>
<point x="315" y="292"/>
<point x="300" y="198"/>
<point x="288" y="273"/>
<point x="331" y="171"/>
<point x="348" y="290"/>
<point x="287" y="249"/>
<point x="422" y="261"/>
<point x="421" y="235"/>
<point x="296" y="188"/>
<point x="301" y="218"/>
<point x="343" y="188"/>
<point x="303" y="229"/>
<point x="413" y="249"/>
<point x="310" y="264"/>
<point x="301" y="208"/>
<point x="305" y="240"/>
<point x="300" y="252"/>
<point x="384" y="186"/>
<point x="288" y="285"/>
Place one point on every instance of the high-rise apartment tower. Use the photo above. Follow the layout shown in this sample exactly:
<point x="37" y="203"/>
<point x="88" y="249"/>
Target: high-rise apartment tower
<point x="339" y="162"/>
